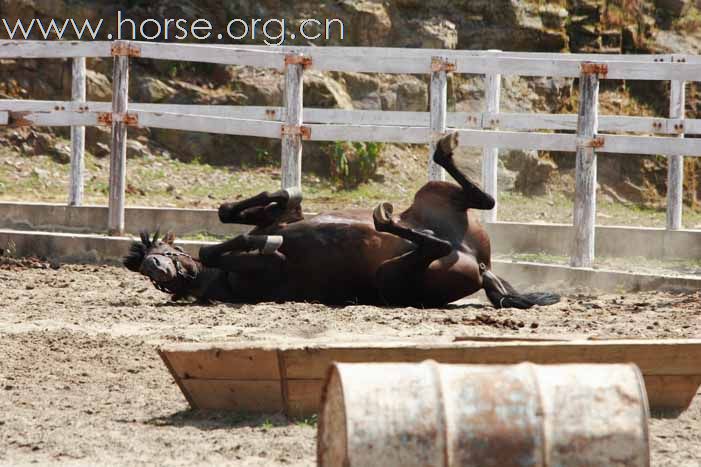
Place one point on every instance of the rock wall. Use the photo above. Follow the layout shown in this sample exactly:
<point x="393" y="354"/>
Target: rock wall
<point x="605" y="26"/>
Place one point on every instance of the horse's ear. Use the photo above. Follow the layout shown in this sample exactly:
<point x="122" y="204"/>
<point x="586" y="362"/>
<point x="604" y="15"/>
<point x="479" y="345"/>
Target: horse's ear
<point x="169" y="238"/>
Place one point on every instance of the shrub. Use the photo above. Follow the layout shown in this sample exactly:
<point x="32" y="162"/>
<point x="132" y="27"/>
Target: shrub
<point x="353" y="163"/>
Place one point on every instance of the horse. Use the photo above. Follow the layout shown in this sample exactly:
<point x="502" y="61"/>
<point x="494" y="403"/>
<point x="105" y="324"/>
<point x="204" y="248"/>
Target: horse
<point x="432" y="254"/>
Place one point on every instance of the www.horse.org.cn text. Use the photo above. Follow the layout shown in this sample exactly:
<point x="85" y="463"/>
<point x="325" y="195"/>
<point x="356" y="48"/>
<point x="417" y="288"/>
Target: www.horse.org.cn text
<point x="270" y="31"/>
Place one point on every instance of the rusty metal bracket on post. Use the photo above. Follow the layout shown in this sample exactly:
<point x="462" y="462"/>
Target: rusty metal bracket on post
<point x="125" y="49"/>
<point x="490" y="121"/>
<point x="17" y="119"/>
<point x="441" y="64"/>
<point x="590" y="68"/>
<point x="595" y="142"/>
<point x="304" y="131"/>
<point x="106" y="118"/>
<point x="294" y="59"/>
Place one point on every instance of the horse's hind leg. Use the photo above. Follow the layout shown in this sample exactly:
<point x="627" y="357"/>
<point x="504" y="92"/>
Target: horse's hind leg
<point x="400" y="280"/>
<point x="475" y="198"/>
<point x="264" y="209"/>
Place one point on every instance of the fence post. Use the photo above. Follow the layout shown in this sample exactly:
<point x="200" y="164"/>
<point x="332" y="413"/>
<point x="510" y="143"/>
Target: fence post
<point x="292" y="130"/>
<point x="439" y="112"/>
<point x="490" y="155"/>
<point x="585" y="185"/>
<point x="675" y="163"/>
<point x="118" y="156"/>
<point x="78" y="95"/>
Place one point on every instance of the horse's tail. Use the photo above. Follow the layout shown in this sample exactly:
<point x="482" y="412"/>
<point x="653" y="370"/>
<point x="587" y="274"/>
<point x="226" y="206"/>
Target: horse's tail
<point x="503" y="295"/>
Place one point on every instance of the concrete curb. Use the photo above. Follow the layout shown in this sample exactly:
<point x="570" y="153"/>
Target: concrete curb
<point x="506" y="237"/>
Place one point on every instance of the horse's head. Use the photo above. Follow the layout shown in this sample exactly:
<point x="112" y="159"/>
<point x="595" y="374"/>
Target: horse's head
<point x="170" y="269"/>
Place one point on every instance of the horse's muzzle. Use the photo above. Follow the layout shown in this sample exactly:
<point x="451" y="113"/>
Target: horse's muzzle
<point x="159" y="268"/>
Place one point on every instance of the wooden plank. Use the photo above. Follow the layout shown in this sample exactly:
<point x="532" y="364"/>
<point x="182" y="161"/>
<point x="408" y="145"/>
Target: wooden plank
<point x="398" y="64"/>
<point x="652" y="145"/>
<point x="607" y="123"/>
<point x="619" y="144"/>
<point x="77" y="170"/>
<point x="291" y="151"/>
<point x="675" y="168"/>
<point x="471" y="120"/>
<point x="380" y="53"/>
<point x="490" y="154"/>
<point x="395" y="60"/>
<point x="217" y="125"/>
<point x="28" y="105"/>
<point x="566" y="67"/>
<point x="374" y="61"/>
<point x="222" y="111"/>
<point x="671" y="392"/>
<point x="666" y="393"/>
<point x="383" y="134"/>
<point x="118" y="155"/>
<point x="518" y="140"/>
<point x="239" y="396"/>
<point x="54" y="49"/>
<point x="672" y="368"/>
<point x="259" y="58"/>
<point x="214" y="363"/>
<point x="54" y="118"/>
<point x="654" y="357"/>
<point x="438" y="118"/>
<point x="584" y="218"/>
<point x="304" y="396"/>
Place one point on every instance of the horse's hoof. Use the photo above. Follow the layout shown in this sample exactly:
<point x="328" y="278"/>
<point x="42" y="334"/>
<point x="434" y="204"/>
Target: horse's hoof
<point x="449" y="143"/>
<point x="382" y="215"/>
<point x="294" y="197"/>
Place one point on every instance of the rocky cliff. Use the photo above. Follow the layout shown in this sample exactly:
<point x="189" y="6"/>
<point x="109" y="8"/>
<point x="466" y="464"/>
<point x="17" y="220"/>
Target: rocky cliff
<point x="605" y="26"/>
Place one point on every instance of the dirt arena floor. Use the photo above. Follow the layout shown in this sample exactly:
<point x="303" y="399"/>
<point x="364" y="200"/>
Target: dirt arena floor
<point x="81" y="383"/>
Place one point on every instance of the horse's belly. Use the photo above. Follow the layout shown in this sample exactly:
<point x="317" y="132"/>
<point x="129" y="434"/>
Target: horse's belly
<point x="336" y="263"/>
<point x="449" y="279"/>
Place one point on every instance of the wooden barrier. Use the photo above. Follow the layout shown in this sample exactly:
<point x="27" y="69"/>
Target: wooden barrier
<point x="489" y="130"/>
<point x="455" y="120"/>
<point x="269" y="378"/>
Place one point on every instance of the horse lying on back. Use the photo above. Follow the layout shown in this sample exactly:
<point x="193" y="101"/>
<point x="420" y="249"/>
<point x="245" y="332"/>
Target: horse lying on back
<point x="432" y="254"/>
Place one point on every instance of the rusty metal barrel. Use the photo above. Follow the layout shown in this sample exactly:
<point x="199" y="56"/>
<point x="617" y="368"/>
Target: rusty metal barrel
<point x="407" y="415"/>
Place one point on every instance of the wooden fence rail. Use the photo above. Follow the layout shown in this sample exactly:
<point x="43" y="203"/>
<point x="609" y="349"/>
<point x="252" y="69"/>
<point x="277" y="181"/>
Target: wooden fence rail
<point x="585" y="134"/>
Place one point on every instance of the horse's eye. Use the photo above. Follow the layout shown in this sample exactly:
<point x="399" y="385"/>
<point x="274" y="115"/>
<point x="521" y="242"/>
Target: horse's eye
<point x="180" y="249"/>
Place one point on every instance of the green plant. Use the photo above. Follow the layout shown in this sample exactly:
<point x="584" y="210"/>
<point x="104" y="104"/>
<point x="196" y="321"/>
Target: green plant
<point x="354" y="163"/>
<point x="267" y="424"/>
<point x="309" y="422"/>
<point x="263" y="156"/>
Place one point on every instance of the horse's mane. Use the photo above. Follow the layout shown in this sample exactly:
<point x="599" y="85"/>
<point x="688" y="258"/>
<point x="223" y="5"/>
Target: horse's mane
<point x="138" y="250"/>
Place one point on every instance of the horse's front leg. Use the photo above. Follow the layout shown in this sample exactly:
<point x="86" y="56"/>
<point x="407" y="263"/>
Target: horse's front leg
<point x="400" y="280"/>
<point x="211" y="255"/>
<point x="264" y="209"/>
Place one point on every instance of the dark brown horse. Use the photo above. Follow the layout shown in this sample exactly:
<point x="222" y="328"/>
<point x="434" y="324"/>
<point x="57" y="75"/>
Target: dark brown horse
<point x="436" y="252"/>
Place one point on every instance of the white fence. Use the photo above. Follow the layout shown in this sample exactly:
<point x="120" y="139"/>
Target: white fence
<point x="589" y="133"/>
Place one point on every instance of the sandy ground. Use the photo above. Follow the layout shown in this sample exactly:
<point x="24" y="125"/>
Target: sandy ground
<point x="81" y="383"/>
